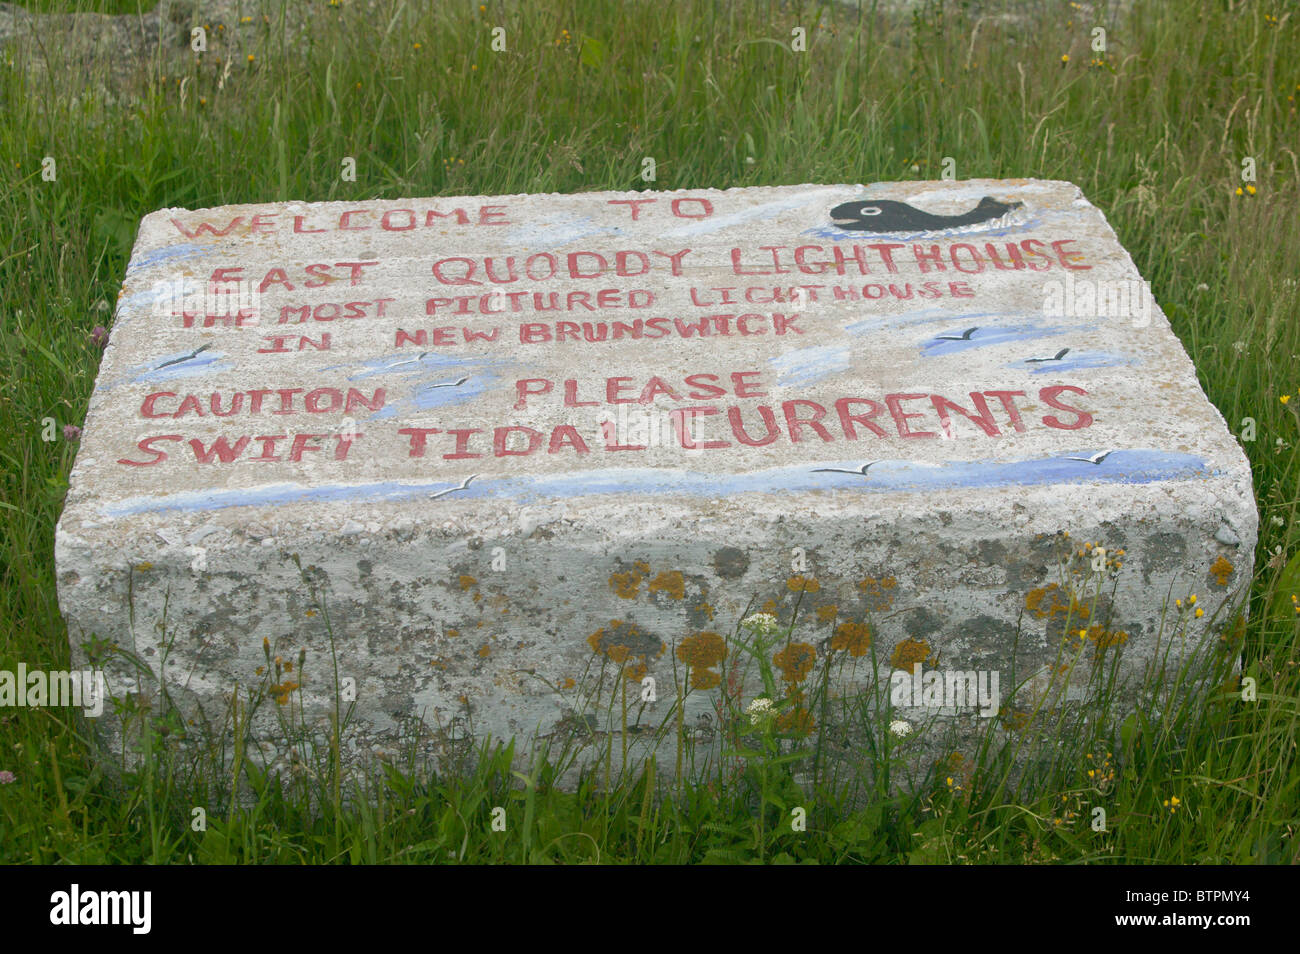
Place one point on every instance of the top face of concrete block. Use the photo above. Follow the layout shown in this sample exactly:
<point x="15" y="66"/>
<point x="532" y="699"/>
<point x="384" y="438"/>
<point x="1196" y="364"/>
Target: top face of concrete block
<point x="919" y="336"/>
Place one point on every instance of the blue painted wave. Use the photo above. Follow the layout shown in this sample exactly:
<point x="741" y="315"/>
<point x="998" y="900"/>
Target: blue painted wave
<point x="1138" y="466"/>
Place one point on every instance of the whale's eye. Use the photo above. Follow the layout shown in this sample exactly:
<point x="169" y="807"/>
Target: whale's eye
<point x="870" y="210"/>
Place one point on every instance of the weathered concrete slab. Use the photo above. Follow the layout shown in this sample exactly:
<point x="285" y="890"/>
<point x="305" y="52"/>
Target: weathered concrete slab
<point x="485" y="442"/>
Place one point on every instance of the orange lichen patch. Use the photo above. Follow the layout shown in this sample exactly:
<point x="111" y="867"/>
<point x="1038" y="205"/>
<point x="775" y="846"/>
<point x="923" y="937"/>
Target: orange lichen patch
<point x="770" y="607"/>
<point x="796" y="720"/>
<point x="1014" y="720"/>
<point x="701" y="653"/>
<point x="568" y="683"/>
<point x="795" y="661"/>
<point x="1236" y="634"/>
<point x="625" y="585"/>
<point x="1221" y="570"/>
<point x="878" y="592"/>
<point x="618" y="653"/>
<point x="642" y="567"/>
<point x="705" y="679"/>
<point x="802" y="584"/>
<point x="437" y="662"/>
<point x="855" y="637"/>
<point x="827" y="613"/>
<point x="703" y="650"/>
<point x="910" y="652"/>
<point x="452" y="633"/>
<point x="485" y="651"/>
<point x="670" y="582"/>
<point x="1051" y="601"/>
<point x="466" y="582"/>
<point x="706" y="609"/>
<point x="1100" y="637"/>
<point x="635" y="672"/>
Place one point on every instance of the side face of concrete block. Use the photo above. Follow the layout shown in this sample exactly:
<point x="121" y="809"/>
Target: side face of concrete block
<point x="487" y="452"/>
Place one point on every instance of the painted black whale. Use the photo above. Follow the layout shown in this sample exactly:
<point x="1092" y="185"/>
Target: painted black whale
<point x="885" y="216"/>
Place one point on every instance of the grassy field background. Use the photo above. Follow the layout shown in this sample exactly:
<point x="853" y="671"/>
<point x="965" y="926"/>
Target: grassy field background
<point x="1154" y="130"/>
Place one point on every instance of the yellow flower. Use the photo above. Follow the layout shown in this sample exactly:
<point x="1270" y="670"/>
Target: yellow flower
<point x="251" y="57"/>
<point x="1065" y="57"/>
<point x="1250" y="189"/>
<point x="1191" y="600"/>
<point x="1239" y="192"/>
<point x="1199" y="612"/>
<point x="1285" y="398"/>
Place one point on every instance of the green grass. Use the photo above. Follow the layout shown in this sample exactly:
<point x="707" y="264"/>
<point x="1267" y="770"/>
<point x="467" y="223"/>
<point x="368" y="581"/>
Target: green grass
<point x="1155" y="136"/>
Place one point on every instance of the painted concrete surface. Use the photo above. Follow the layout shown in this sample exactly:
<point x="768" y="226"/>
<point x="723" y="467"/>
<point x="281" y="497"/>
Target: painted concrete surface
<point x="488" y="451"/>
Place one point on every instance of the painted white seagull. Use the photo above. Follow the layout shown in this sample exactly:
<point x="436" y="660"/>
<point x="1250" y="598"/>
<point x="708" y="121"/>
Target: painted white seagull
<point x="1096" y="458"/>
<point x="860" y="472"/>
<point x="452" y="490"/>
<point x="448" y="384"/>
<point x="1056" y="357"/>
<point x="192" y="354"/>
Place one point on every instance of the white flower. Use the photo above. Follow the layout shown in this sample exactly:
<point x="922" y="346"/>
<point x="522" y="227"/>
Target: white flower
<point x="1239" y="346"/>
<point x="1202" y="287"/>
<point x="761" y="624"/>
<point x="760" y="710"/>
<point x="749" y="160"/>
<point x="1278" y="522"/>
<point x="901" y="728"/>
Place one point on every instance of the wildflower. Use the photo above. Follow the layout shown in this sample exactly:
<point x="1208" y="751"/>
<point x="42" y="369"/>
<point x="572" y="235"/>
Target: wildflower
<point x="7" y="777"/>
<point x="99" y="335"/>
<point x="417" y="47"/>
<point x="760" y="624"/>
<point x="1191" y="600"/>
<point x="1065" y="58"/>
<point x="1250" y="189"/>
<point x="760" y="710"/>
<point x="1285" y="398"/>
<point x="1239" y="192"/>
<point x="1199" y="612"/>
<point x="71" y="432"/>
<point x="251" y="57"/>
<point x="1237" y="346"/>
<point x="901" y="728"/>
